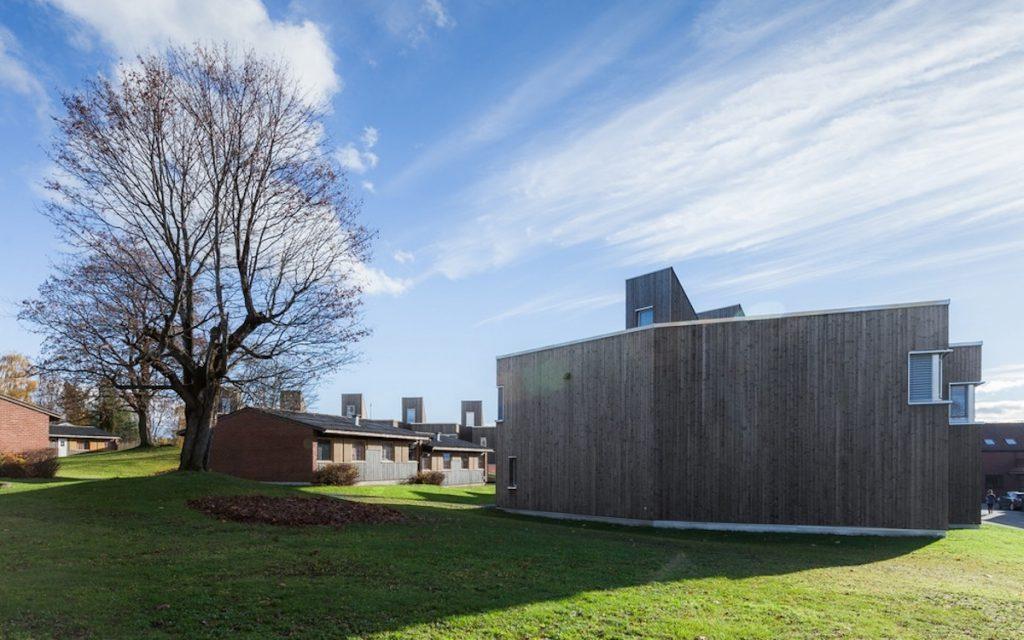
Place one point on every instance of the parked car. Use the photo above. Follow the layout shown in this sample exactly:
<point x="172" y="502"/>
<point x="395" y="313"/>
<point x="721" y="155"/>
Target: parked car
<point x="1011" y="500"/>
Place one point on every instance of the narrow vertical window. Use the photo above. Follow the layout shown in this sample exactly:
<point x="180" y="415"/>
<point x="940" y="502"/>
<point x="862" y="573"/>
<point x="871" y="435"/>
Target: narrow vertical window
<point x="359" y="451"/>
<point x="644" y="316"/>
<point x="512" y="476"/>
<point x="323" y="450"/>
<point x="483" y="442"/>
<point x="501" y="404"/>
<point x="410" y="415"/>
<point x="925" y="377"/>
<point x="388" y="452"/>
<point x="447" y="458"/>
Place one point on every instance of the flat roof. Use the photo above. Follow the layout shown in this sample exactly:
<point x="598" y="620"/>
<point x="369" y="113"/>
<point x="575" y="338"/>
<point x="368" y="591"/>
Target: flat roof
<point x="686" y="323"/>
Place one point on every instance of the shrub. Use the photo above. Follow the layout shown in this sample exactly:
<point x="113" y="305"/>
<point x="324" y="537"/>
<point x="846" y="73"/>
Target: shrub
<point x="336" y="474"/>
<point x="427" y="477"/>
<point x="41" y="463"/>
<point x="492" y="478"/>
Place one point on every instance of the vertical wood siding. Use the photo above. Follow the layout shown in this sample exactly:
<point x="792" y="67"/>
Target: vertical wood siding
<point x="966" y="483"/>
<point x="792" y="420"/>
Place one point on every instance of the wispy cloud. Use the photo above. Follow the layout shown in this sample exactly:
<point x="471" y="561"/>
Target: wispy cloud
<point x="1000" y="411"/>
<point x="403" y="257"/>
<point x="360" y="158"/>
<point x="554" y="303"/>
<point x="376" y="282"/>
<point x="414" y="20"/>
<point x="847" y="148"/>
<point x="14" y="75"/>
<point x="131" y="27"/>
<point x="438" y="14"/>
<point x="1000" y="379"/>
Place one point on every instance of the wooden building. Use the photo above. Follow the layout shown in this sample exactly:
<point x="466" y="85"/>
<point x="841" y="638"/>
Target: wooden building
<point x="71" y="439"/>
<point x="1001" y="447"/>
<point x="823" y="421"/>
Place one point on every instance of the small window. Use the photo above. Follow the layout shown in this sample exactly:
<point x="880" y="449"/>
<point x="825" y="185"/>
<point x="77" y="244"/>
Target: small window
<point x="501" y="404"/>
<point x="925" y="378"/>
<point x="350" y="410"/>
<point x="85" y="445"/>
<point x="410" y="415"/>
<point x="483" y="442"/>
<point x="323" y="450"/>
<point x="644" y="316"/>
<point x="447" y="458"/>
<point x="990" y="442"/>
<point x="388" y="452"/>
<point x="470" y="419"/>
<point x="359" y="451"/>
<point x="512" y="479"/>
<point x="465" y="461"/>
<point x="1011" y="441"/>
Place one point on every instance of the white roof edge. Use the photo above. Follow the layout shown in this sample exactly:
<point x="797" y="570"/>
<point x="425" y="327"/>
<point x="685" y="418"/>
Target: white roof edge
<point x="687" y="323"/>
<point x="367" y="434"/>
<point x="976" y="343"/>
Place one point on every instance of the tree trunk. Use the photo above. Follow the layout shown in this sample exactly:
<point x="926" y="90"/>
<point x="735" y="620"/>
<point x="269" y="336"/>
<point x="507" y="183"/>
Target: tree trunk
<point x="145" y="439"/>
<point x="199" y="422"/>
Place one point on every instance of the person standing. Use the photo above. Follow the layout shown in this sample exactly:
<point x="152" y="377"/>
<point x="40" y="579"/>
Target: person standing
<point x="990" y="500"/>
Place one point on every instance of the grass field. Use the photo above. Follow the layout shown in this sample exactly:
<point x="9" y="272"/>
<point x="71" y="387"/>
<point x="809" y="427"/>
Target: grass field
<point x="111" y="551"/>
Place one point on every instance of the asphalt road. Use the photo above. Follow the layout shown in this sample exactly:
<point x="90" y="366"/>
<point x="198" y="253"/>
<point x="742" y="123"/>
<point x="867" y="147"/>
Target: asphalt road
<point x="1009" y="518"/>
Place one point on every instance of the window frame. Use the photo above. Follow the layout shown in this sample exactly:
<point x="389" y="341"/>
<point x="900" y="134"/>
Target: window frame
<point x="384" y="449"/>
<point x="446" y="460"/>
<point x="330" y="451"/>
<point x="988" y="442"/>
<point x="1010" y="442"/>
<point x="970" y="403"/>
<point x="638" y="311"/>
<point x="483" y="441"/>
<point x="937" y="355"/>
<point x="501" y="404"/>
<point x="513" y="472"/>
<point x="360" y="446"/>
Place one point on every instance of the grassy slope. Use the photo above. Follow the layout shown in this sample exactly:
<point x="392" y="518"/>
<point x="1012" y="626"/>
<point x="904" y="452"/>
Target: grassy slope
<point x="124" y="558"/>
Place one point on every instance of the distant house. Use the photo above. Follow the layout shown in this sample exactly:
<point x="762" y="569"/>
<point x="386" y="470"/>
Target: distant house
<point x="1002" y="456"/>
<point x="69" y="439"/>
<point x="24" y="426"/>
<point x="288" y="446"/>
<point x="854" y="421"/>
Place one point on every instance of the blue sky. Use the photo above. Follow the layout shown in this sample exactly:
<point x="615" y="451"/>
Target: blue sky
<point x="520" y="160"/>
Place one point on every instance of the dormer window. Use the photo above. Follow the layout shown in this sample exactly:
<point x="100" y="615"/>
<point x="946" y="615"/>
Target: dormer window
<point x="1011" y="441"/>
<point x="644" y="316"/>
<point x="961" y="407"/>
<point x="990" y="442"/>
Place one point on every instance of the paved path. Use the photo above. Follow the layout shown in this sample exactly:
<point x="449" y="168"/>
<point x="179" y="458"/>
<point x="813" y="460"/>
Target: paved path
<point x="1009" y="518"/>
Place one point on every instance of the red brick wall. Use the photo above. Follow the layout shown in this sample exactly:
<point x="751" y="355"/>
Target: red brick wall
<point x="254" y="445"/>
<point x="22" y="429"/>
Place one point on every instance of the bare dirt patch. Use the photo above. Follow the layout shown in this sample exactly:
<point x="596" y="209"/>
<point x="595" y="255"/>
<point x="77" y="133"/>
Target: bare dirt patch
<point x="294" y="511"/>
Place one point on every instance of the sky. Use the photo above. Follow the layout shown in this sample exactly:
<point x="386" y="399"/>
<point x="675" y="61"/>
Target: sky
<point x="520" y="160"/>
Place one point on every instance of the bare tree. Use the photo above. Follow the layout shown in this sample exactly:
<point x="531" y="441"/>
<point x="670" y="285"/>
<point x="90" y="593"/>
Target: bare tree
<point x="204" y="179"/>
<point x="94" y="326"/>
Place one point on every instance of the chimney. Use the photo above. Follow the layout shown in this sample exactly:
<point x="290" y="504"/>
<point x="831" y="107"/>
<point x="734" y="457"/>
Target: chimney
<point x="291" y="400"/>
<point x="352" y="405"/>
<point x="412" y="410"/>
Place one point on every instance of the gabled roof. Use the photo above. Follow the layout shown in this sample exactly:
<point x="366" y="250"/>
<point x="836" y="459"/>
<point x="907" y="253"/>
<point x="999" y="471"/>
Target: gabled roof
<point x="454" y="444"/>
<point x="29" y="405"/>
<point x="68" y="430"/>
<point x="340" y="425"/>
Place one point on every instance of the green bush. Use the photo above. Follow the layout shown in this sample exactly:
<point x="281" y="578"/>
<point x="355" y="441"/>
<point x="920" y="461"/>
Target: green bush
<point x="340" y="474"/>
<point x="41" y="463"/>
<point x="427" y="477"/>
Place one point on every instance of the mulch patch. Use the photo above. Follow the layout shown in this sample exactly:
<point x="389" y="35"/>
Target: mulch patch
<point x="294" y="511"/>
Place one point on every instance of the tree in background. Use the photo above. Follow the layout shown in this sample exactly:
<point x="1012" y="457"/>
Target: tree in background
<point x="203" y="179"/>
<point x="74" y="402"/>
<point x="109" y="412"/>
<point x="16" y="377"/>
<point x="49" y="393"/>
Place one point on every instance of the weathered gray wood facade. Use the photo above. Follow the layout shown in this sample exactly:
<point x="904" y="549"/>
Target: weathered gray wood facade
<point x="800" y="419"/>
<point x="966" y="485"/>
<point x="414" y="405"/>
<point x="352" y="405"/>
<point x="471" y="413"/>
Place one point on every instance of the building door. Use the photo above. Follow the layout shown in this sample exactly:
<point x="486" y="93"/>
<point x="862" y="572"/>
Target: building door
<point x="470" y="419"/>
<point x="62" y="447"/>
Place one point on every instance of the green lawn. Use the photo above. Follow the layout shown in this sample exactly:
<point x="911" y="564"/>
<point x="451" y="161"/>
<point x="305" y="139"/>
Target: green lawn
<point x="122" y="557"/>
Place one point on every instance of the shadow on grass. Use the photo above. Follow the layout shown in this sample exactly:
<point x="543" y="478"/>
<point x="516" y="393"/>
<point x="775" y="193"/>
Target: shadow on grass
<point x="93" y="539"/>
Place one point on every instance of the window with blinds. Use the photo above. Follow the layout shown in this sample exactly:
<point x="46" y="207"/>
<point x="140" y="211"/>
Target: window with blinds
<point x="925" y="378"/>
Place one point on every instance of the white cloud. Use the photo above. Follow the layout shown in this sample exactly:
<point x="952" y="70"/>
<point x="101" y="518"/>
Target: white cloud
<point x="130" y="27"/>
<point x="376" y="282"/>
<point x="368" y="186"/>
<point x="403" y="257"/>
<point x="865" y="144"/>
<point x="554" y="303"/>
<point x="1003" y="378"/>
<point x="360" y="160"/>
<point x="370" y="137"/>
<point x="437" y="12"/>
<point x="356" y="160"/>
<point x="15" y="75"/>
<point x="1000" y="411"/>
